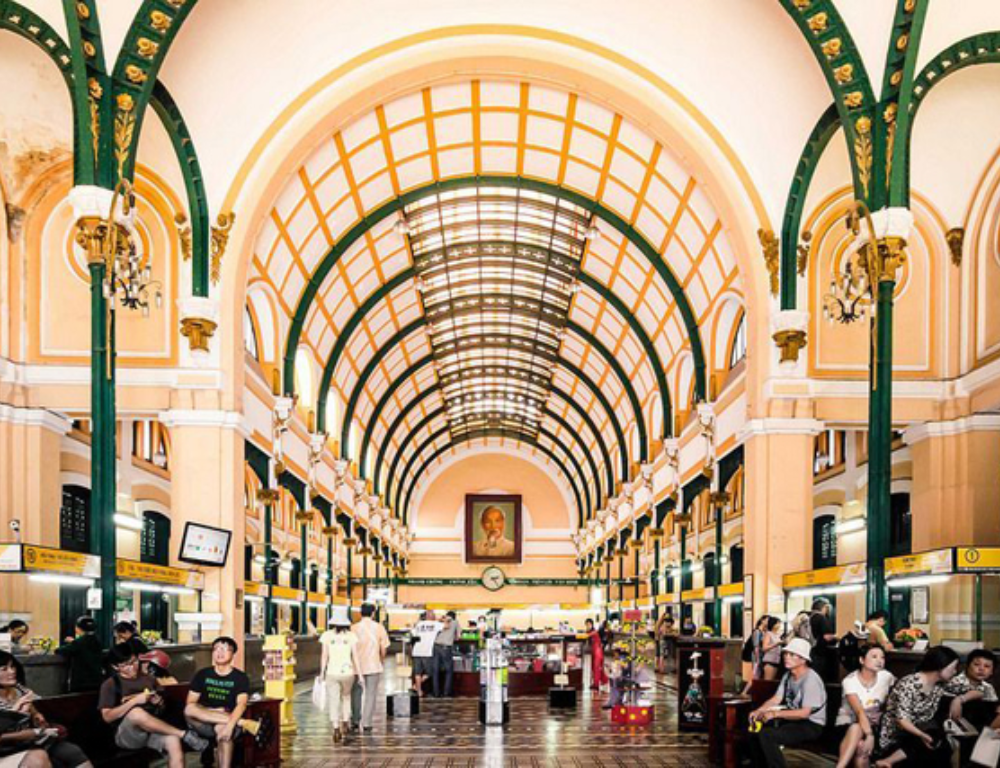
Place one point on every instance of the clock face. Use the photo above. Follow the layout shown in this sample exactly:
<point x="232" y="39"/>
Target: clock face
<point x="493" y="578"/>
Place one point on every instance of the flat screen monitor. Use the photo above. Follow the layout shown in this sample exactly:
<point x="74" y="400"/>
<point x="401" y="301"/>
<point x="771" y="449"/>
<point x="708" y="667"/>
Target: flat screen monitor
<point x="205" y="545"/>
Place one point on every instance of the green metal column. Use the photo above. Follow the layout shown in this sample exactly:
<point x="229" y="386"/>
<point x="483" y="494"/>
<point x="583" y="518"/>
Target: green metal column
<point x="717" y="628"/>
<point x="103" y="541"/>
<point x="680" y="585"/>
<point x="636" y="563"/>
<point x="880" y="446"/>
<point x="304" y="578"/>
<point x="654" y="584"/>
<point x="979" y="607"/>
<point x="364" y="576"/>
<point x="621" y="579"/>
<point x="350" y="580"/>
<point x="607" y="588"/>
<point x="270" y="626"/>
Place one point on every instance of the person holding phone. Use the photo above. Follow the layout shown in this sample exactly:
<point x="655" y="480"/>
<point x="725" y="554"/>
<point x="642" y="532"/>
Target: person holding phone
<point x="27" y="740"/>
<point x="909" y="729"/>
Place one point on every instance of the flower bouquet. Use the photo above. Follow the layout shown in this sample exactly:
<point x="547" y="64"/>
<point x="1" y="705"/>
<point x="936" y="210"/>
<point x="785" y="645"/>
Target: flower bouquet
<point x="907" y="637"/>
<point x="151" y="637"/>
<point x="705" y="631"/>
<point x="41" y="645"/>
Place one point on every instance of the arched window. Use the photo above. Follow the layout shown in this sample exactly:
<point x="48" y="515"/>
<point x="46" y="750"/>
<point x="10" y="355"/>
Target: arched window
<point x="250" y="335"/>
<point x="304" y="378"/>
<point x="74" y="536"/>
<point x="739" y="349"/>
<point x="901" y="525"/>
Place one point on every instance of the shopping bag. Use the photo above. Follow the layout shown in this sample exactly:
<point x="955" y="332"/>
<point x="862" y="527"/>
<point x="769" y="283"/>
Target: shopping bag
<point x="987" y="749"/>
<point x="319" y="694"/>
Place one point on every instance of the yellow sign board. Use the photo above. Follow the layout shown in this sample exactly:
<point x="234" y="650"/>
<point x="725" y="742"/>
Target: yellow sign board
<point x="731" y="590"/>
<point x="666" y="599"/>
<point x="253" y="588"/>
<point x="977" y="559"/>
<point x="933" y="562"/>
<point x="852" y="573"/>
<point x="133" y="570"/>
<point x="286" y="593"/>
<point x="697" y="595"/>
<point x="61" y="561"/>
<point x="317" y="597"/>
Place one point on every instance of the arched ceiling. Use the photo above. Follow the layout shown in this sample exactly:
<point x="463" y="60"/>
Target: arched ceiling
<point x="605" y="267"/>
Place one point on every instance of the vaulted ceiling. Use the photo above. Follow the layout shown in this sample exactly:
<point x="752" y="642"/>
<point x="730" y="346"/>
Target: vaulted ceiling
<point x="486" y="259"/>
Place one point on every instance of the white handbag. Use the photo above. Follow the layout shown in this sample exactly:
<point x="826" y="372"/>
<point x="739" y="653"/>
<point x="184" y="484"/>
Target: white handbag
<point x="319" y="694"/>
<point x="987" y="750"/>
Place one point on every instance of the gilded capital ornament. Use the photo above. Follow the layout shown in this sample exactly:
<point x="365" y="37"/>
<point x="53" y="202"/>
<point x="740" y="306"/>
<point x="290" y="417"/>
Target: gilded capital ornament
<point x="955" y="238"/>
<point x="769" y="244"/>
<point x="198" y="331"/>
<point x="268" y="496"/>
<point x="790" y="341"/>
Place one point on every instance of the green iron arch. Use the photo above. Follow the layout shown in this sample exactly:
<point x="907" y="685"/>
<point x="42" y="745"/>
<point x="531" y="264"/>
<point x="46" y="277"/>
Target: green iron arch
<point x="391" y="475"/>
<point x="316" y="280"/>
<point x="420" y="322"/>
<point x="488" y="433"/>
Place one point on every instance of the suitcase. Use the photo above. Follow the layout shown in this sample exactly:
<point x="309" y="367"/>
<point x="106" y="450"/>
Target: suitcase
<point x="402" y="704"/>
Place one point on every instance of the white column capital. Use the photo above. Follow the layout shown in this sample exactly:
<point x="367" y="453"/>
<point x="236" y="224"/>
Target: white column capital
<point x="890" y="222"/>
<point x="778" y="426"/>
<point x="90" y="200"/>
<point x="35" y="417"/>
<point x="204" y="418"/>
<point x="977" y="422"/>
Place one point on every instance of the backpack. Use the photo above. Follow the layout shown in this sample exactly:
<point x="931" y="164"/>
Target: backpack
<point x="849" y="652"/>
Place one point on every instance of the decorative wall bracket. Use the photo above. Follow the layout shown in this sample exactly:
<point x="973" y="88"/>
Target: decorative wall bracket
<point x="706" y="424"/>
<point x="955" y="237"/>
<point x="772" y="258"/>
<point x="219" y="241"/>
<point x="198" y="330"/>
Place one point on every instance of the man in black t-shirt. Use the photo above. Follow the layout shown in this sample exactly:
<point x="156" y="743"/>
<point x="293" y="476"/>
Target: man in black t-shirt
<point x="132" y="702"/>
<point x="824" y="633"/>
<point x="217" y="700"/>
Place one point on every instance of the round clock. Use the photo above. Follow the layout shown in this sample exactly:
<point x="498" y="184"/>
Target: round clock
<point x="493" y="578"/>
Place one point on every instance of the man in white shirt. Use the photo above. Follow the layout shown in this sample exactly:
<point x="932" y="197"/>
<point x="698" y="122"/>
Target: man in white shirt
<point x="424" y="633"/>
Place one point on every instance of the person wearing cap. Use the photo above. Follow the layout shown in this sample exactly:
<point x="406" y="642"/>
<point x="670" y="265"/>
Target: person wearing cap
<point x="339" y="668"/>
<point x="157" y="664"/>
<point x="795" y="714"/>
<point x="85" y="656"/>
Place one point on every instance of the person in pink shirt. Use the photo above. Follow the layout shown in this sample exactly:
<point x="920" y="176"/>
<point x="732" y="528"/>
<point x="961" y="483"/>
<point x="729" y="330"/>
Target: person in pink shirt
<point x="373" y="643"/>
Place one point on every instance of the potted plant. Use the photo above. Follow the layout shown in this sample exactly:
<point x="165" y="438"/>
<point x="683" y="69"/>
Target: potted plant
<point x="906" y="638"/>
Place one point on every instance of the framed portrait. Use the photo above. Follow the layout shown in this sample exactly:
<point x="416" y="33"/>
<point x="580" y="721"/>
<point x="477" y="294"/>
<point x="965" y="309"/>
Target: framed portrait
<point x="492" y="528"/>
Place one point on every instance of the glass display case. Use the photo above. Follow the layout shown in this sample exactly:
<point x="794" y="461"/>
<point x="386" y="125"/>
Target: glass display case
<point x="533" y="663"/>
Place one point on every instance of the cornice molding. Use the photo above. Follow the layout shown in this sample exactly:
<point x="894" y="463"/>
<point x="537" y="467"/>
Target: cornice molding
<point x="977" y="422"/>
<point x="35" y="417"/>
<point x="197" y="418"/>
<point x="776" y="426"/>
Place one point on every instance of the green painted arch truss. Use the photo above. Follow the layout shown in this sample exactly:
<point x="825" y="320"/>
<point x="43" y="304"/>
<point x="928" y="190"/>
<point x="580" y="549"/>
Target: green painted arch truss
<point x="311" y="289"/>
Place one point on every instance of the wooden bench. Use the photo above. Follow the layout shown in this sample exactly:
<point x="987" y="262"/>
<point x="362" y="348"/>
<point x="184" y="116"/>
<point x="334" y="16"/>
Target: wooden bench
<point x="79" y="714"/>
<point x="729" y="722"/>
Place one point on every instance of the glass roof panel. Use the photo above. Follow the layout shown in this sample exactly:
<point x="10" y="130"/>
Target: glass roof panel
<point x="497" y="270"/>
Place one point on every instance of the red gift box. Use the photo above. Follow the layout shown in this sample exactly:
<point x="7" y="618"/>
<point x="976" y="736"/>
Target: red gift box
<point x="637" y="715"/>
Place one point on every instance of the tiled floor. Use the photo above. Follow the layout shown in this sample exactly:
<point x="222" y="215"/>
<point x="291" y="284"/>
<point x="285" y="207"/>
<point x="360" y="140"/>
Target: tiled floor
<point x="447" y="733"/>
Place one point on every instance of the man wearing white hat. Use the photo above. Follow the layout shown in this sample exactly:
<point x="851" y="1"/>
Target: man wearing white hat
<point x="795" y="714"/>
<point x="339" y="665"/>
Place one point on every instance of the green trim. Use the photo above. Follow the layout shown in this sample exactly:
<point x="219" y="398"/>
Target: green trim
<point x="170" y="115"/>
<point x="821" y="134"/>
<point x="892" y="176"/>
<point x="859" y="83"/>
<point x="396" y="423"/>
<point x="403" y="509"/>
<point x="391" y="474"/>
<point x="421" y="322"/>
<point x="148" y="66"/>
<point x="32" y="27"/>
<point x="585" y="452"/>
<point x="983" y="48"/>
<point x="487" y="433"/>
<point x="316" y="280"/>
<point x="647" y="345"/>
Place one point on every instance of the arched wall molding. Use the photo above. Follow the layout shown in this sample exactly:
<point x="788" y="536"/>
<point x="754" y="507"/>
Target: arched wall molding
<point x="491" y="446"/>
<point x="510" y="51"/>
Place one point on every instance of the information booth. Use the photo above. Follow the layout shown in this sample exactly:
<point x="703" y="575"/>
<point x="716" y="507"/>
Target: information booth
<point x="533" y="661"/>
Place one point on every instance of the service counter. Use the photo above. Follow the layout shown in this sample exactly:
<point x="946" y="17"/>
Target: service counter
<point x="533" y="664"/>
<point x="47" y="673"/>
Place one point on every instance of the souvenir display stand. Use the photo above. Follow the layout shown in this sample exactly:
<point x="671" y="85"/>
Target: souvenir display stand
<point x="706" y="667"/>
<point x="639" y="654"/>
<point x="494" y="704"/>
<point x="279" y="676"/>
<point x="402" y="701"/>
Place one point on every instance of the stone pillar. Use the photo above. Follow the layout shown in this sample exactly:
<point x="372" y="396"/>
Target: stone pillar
<point x="206" y="473"/>
<point x="31" y="493"/>
<point x="956" y="482"/>
<point x="779" y="488"/>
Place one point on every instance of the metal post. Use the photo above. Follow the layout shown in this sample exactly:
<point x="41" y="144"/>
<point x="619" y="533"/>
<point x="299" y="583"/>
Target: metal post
<point x="304" y="579"/>
<point x="103" y="541"/>
<point x="350" y="580"/>
<point x="684" y="566"/>
<point x="880" y="445"/>
<point x="621" y="579"/>
<point x="979" y="607"/>
<point x="719" y="509"/>
<point x="270" y="626"/>
<point x="654" y="585"/>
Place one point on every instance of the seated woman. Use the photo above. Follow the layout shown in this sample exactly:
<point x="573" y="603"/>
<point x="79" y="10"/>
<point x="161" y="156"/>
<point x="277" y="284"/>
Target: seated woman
<point x="29" y="741"/>
<point x="864" y="694"/>
<point x="909" y="731"/>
